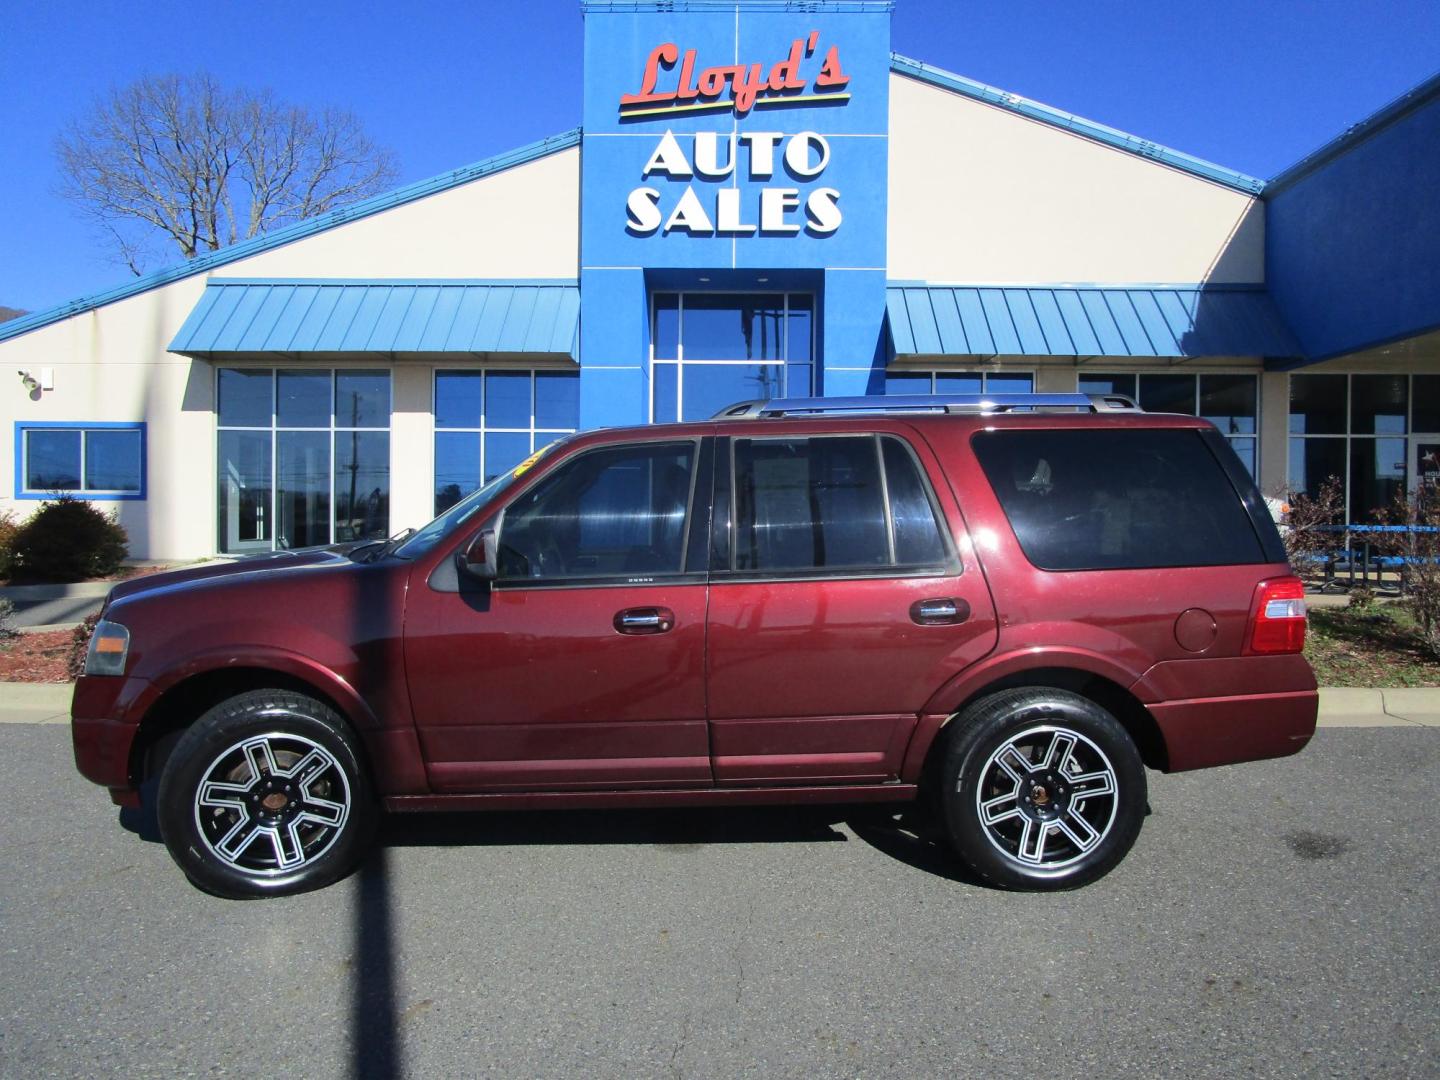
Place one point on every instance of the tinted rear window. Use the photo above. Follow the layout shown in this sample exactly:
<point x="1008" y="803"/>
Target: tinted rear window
<point x="1120" y="499"/>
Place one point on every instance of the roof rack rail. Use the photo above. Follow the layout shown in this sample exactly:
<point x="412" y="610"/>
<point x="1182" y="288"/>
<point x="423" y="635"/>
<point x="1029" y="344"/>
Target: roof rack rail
<point x="931" y="403"/>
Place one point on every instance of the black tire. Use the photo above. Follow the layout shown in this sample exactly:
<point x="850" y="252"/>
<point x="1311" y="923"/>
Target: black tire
<point x="266" y="795"/>
<point x="1064" y="828"/>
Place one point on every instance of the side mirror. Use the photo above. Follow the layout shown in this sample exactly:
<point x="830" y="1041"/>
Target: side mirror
<point x="479" y="558"/>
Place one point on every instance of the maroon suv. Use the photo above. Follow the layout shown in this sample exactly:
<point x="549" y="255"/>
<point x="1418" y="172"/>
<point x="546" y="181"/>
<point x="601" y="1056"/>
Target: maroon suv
<point x="1013" y="606"/>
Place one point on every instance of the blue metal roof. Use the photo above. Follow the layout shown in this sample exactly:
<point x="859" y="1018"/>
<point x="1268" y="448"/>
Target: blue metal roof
<point x="1353" y="136"/>
<point x="1085" y="320"/>
<point x="1090" y="129"/>
<point x="298" y="231"/>
<point x="402" y="316"/>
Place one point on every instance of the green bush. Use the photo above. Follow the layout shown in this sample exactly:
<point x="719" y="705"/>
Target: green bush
<point x="8" y="528"/>
<point x="69" y="540"/>
<point x="80" y="646"/>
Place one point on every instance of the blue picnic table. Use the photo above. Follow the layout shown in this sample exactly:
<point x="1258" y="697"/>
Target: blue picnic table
<point x="1347" y="559"/>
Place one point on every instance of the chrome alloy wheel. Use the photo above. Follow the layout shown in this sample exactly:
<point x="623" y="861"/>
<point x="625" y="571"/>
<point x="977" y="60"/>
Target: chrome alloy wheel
<point x="272" y="804"/>
<point x="1047" y="797"/>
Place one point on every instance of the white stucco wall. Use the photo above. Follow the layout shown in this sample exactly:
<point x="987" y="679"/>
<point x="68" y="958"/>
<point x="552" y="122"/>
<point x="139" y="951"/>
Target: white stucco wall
<point x="981" y="194"/>
<point x="520" y="223"/>
<point x="111" y="363"/>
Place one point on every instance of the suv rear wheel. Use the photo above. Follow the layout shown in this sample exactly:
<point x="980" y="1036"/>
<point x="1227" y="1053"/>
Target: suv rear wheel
<point x="265" y="795"/>
<point x="1041" y="789"/>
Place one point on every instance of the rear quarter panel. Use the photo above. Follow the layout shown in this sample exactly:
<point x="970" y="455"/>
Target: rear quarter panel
<point x="1120" y="624"/>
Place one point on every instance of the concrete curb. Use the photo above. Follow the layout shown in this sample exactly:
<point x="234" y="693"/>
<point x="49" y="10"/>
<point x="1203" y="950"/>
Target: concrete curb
<point x="35" y="703"/>
<point x="19" y="695"/>
<point x="1419" y="706"/>
<point x="32" y="594"/>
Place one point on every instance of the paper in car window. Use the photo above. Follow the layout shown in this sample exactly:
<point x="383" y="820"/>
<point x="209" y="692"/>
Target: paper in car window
<point x="524" y="466"/>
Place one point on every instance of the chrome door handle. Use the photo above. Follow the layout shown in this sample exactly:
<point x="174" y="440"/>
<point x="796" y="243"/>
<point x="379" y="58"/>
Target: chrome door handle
<point x="941" y="611"/>
<point x="644" y="620"/>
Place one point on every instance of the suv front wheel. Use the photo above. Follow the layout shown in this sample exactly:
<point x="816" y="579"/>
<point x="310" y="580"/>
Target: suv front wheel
<point x="265" y="795"/>
<point x="1042" y="789"/>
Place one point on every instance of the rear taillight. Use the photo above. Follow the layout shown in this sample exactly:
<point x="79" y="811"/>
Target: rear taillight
<point x="1277" y="619"/>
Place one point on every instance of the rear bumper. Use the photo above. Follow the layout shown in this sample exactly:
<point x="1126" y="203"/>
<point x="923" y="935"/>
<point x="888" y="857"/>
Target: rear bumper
<point x="1201" y="732"/>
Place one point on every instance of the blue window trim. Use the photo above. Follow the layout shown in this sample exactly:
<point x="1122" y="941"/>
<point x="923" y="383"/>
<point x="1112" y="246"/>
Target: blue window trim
<point x="22" y="426"/>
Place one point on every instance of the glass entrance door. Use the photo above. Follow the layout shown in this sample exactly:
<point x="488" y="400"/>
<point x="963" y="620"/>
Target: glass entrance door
<point x="710" y="350"/>
<point x="244" y="491"/>
<point x="303" y="457"/>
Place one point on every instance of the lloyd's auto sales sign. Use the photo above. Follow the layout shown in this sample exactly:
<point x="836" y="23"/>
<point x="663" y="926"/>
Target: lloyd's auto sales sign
<point x="689" y="183"/>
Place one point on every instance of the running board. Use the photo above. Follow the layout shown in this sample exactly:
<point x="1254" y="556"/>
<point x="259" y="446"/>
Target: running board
<point x="587" y="800"/>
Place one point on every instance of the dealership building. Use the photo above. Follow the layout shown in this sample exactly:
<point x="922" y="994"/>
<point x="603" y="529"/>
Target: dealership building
<point x="761" y="200"/>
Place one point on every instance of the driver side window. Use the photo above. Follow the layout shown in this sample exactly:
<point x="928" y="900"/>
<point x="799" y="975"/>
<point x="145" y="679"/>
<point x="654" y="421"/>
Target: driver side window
<point x="610" y="513"/>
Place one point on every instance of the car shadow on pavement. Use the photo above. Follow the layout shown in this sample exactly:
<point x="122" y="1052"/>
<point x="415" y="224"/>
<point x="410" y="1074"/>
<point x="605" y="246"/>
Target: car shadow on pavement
<point x="661" y="828"/>
<point x="912" y="834"/>
<point x="141" y="820"/>
<point x="909" y="834"/>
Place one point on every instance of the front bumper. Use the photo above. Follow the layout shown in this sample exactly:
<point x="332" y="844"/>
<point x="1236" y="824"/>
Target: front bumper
<point x="103" y="732"/>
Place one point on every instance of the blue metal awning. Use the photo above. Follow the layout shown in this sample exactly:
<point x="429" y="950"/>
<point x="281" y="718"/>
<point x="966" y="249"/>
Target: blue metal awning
<point x="1059" y="320"/>
<point x="382" y="317"/>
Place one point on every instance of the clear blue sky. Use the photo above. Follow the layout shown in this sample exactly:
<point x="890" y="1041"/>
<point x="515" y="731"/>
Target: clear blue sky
<point x="1253" y="86"/>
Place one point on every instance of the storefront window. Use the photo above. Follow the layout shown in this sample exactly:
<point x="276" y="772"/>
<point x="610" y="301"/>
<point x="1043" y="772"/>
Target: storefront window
<point x="246" y="397"/>
<point x="1377" y="474"/>
<point x="1313" y="461"/>
<point x="1425" y="394"/>
<point x="1108" y="384"/>
<point x="1378" y="404"/>
<point x="1169" y="394"/>
<point x="302" y="399"/>
<point x="714" y="349"/>
<point x="959" y="382"/>
<point x="304" y="457"/>
<point x="489" y="421"/>
<point x="1357" y="428"/>
<point x="1317" y="404"/>
<point x="1229" y="401"/>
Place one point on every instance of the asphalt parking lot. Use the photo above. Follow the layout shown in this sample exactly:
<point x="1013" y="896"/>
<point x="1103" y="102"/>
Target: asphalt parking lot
<point x="1275" y="919"/>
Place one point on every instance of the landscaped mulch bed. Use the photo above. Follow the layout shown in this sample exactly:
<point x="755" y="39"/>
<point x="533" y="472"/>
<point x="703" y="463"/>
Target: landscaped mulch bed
<point x="40" y="658"/>
<point x="125" y="573"/>
<point x="1378" y="646"/>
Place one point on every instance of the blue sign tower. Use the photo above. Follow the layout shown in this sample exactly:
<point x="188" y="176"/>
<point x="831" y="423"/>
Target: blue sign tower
<point x="731" y="148"/>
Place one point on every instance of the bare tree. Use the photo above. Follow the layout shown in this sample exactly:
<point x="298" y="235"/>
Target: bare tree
<point x="1310" y="526"/>
<point x="1418" y="546"/>
<point x="182" y="157"/>
<point x="8" y="313"/>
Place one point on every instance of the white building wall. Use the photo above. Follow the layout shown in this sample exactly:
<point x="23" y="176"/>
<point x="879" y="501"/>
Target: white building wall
<point x="980" y="194"/>
<point x="111" y="363"/>
<point x="520" y="223"/>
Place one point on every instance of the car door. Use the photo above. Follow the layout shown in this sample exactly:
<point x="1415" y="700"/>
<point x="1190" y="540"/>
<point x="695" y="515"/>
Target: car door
<point x="582" y="664"/>
<point x="839" y="603"/>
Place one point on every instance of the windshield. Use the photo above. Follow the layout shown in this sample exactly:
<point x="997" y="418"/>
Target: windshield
<point x="468" y="507"/>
